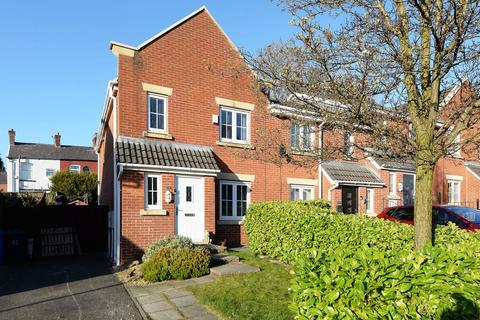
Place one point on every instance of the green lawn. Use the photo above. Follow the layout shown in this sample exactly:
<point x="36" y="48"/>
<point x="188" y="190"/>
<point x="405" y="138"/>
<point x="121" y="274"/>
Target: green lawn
<point x="259" y="295"/>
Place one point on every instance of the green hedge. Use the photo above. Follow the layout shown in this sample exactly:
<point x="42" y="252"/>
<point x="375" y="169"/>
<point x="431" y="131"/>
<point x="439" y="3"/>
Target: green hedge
<point x="180" y="263"/>
<point x="353" y="267"/>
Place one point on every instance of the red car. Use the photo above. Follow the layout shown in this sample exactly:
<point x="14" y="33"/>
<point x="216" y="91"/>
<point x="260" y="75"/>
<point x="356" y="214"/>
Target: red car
<point x="442" y="215"/>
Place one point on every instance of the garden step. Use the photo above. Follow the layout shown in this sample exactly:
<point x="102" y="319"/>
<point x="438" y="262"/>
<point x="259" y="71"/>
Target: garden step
<point x="232" y="269"/>
<point x="212" y="247"/>
<point x="221" y="258"/>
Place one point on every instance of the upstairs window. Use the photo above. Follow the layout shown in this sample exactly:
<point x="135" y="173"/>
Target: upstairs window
<point x="26" y="171"/>
<point x="348" y="141"/>
<point x="234" y="125"/>
<point x="457" y="146"/>
<point x="301" y="137"/>
<point x="157" y="113"/>
<point x="49" y="172"/>
<point x="74" y="168"/>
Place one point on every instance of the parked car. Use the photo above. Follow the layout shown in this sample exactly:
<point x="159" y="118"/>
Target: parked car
<point x="442" y="215"/>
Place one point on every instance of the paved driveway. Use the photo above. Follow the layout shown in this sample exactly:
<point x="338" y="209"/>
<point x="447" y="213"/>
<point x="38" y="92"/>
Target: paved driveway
<point x="63" y="288"/>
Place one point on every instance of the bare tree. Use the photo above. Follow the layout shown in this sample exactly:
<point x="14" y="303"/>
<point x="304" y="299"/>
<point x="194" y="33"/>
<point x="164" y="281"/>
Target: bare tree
<point x="382" y="71"/>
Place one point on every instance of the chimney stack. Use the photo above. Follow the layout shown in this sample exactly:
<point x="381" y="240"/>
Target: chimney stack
<point x="11" y="136"/>
<point x="94" y="140"/>
<point x="57" y="137"/>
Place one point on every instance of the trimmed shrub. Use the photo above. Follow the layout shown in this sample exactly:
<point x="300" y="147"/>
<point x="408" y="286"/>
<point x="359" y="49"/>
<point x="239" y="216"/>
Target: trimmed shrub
<point x="354" y="267"/>
<point x="181" y="263"/>
<point x="174" y="242"/>
<point x="288" y="229"/>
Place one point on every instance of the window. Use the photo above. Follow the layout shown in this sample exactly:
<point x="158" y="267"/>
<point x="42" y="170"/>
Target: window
<point x="234" y="199"/>
<point x="26" y="171"/>
<point x="454" y="192"/>
<point x="301" y="193"/>
<point x="392" y="203"/>
<point x="153" y="192"/>
<point x="157" y="113"/>
<point x="369" y="201"/>
<point x="86" y="169"/>
<point x="301" y="136"/>
<point x="234" y="125"/>
<point x="404" y="214"/>
<point x="443" y="218"/>
<point x="74" y="168"/>
<point x="49" y="172"/>
<point x="457" y="147"/>
<point x="348" y="141"/>
<point x="391" y="183"/>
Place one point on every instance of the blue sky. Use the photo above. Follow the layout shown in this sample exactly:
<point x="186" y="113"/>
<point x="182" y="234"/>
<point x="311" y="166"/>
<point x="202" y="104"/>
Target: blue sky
<point x="55" y="61"/>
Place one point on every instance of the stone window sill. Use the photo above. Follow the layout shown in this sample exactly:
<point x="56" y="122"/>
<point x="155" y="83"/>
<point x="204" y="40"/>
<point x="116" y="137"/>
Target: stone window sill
<point x="153" y="212"/>
<point x="234" y="145"/>
<point x="151" y="134"/>
<point x="230" y="222"/>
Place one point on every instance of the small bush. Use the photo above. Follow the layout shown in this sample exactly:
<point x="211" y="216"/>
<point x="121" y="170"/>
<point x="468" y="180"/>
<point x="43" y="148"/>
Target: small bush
<point x="354" y="267"/>
<point x="182" y="263"/>
<point x="174" y="242"/>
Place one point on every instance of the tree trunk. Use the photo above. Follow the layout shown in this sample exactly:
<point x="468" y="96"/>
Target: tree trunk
<point x="423" y="205"/>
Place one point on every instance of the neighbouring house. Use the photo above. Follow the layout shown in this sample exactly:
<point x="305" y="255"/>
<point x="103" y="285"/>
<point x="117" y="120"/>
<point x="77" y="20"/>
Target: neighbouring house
<point x="3" y="181"/>
<point x="187" y="140"/>
<point x="30" y="165"/>
<point x="177" y="142"/>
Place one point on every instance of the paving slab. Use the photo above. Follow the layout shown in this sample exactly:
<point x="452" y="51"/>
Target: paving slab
<point x="232" y="269"/>
<point x="195" y="311"/>
<point x="187" y="300"/>
<point x="166" y="315"/>
<point x="157" y="306"/>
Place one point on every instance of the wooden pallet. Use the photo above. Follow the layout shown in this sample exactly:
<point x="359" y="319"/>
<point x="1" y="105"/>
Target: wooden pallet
<point x="57" y="241"/>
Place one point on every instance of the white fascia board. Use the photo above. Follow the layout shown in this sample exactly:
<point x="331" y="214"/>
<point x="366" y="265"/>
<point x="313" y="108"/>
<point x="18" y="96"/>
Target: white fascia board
<point x="178" y="170"/>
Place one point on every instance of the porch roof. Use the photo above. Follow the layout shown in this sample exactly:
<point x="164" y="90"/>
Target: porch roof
<point x="351" y="173"/>
<point x="396" y="164"/>
<point x="140" y="151"/>
<point x="474" y="167"/>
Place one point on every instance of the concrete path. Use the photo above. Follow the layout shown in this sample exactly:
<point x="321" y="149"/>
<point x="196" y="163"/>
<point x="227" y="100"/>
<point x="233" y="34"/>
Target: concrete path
<point x="169" y="300"/>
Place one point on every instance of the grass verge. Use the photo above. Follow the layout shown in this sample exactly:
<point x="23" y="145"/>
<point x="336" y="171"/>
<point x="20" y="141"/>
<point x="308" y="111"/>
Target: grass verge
<point x="259" y="295"/>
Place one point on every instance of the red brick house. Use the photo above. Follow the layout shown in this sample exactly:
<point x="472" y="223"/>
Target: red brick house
<point x="179" y="142"/>
<point x="187" y="140"/>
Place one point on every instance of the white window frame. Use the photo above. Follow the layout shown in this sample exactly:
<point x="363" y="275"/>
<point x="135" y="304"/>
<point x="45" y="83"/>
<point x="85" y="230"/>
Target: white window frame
<point x="392" y="183"/>
<point x="159" y="192"/>
<point x="348" y="141"/>
<point x="72" y="166"/>
<point x="392" y="202"/>
<point x="22" y="170"/>
<point x="458" y="150"/>
<point x="301" y="189"/>
<point x="47" y="170"/>
<point x="451" y="196"/>
<point x="301" y="137"/>
<point x="234" y="112"/>
<point x="370" y="200"/>
<point x="234" y="185"/>
<point x="165" y="116"/>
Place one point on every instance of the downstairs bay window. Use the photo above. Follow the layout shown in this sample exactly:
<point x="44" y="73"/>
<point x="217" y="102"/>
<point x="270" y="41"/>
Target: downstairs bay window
<point x="234" y="200"/>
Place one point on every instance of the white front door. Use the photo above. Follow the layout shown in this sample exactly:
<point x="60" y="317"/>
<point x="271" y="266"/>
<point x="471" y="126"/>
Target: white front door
<point x="190" y="207"/>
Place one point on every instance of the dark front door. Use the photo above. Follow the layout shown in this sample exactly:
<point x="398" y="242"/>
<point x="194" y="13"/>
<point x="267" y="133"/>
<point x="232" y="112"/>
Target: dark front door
<point x="408" y="189"/>
<point x="349" y="199"/>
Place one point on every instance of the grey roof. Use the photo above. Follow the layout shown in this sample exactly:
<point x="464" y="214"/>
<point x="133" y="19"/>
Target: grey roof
<point x="351" y="173"/>
<point x="50" y="152"/>
<point x="397" y="164"/>
<point x="3" y="178"/>
<point x="474" y="166"/>
<point x="168" y="154"/>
